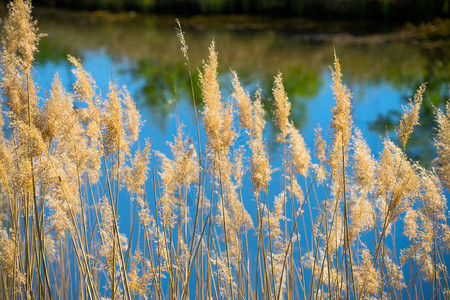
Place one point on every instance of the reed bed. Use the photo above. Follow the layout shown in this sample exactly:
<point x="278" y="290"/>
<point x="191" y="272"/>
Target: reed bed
<point x="69" y="160"/>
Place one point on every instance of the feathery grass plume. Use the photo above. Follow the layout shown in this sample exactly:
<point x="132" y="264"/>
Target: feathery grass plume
<point x="320" y="151"/>
<point x="84" y="87"/>
<point x="421" y="247"/>
<point x="227" y="134"/>
<point x="132" y="117"/>
<point x="336" y="231"/>
<point x="4" y="205"/>
<point x="423" y="227"/>
<point x="295" y="190"/>
<point x="6" y="165"/>
<point x="366" y="276"/>
<point x="84" y="92"/>
<point x="20" y="41"/>
<point x="362" y="214"/>
<point x="420" y="231"/>
<point x="176" y="174"/>
<point x="58" y="179"/>
<point x="242" y="219"/>
<point x="137" y="174"/>
<point x="410" y="225"/>
<point x="21" y="33"/>
<point x="385" y="177"/>
<point x="167" y="203"/>
<point x="8" y="253"/>
<point x="185" y="160"/>
<point x="28" y="142"/>
<point x="394" y="271"/>
<point x="139" y="283"/>
<point x="258" y="114"/>
<point x="429" y="269"/>
<point x="2" y="123"/>
<point x="397" y="183"/>
<point x="180" y="36"/>
<point x="51" y="250"/>
<point x="433" y="198"/>
<point x="162" y="245"/>
<point x="235" y="209"/>
<point x="61" y="128"/>
<point x="183" y="255"/>
<point x="238" y="168"/>
<point x="52" y="113"/>
<point x="410" y="117"/>
<point x="243" y="103"/>
<point x="20" y="175"/>
<point x="442" y="143"/>
<point x="445" y="235"/>
<point x="364" y="164"/>
<point x="260" y="165"/>
<point x="59" y="222"/>
<point x="9" y="259"/>
<point x="217" y="118"/>
<point x="272" y="219"/>
<point x="135" y="178"/>
<point x="114" y="141"/>
<point x="282" y="108"/>
<point x="341" y="124"/>
<point x="299" y="154"/>
<point x="342" y="121"/>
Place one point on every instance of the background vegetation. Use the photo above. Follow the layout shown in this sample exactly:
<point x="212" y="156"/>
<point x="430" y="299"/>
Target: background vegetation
<point x="372" y="9"/>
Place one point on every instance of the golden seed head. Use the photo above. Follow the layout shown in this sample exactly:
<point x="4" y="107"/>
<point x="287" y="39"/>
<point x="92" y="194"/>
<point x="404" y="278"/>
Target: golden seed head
<point x="282" y="107"/>
<point x="217" y="117"/>
<point x="132" y="117"/>
<point x="258" y="114"/>
<point x="410" y="117"/>
<point x="114" y="142"/>
<point x="180" y="36"/>
<point x="363" y="164"/>
<point x="299" y="154"/>
<point x="442" y="143"/>
<point x="366" y="276"/>
<point x="243" y="103"/>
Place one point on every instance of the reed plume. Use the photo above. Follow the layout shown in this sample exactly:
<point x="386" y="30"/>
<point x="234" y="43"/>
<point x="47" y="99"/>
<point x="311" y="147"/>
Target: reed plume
<point x="367" y="277"/>
<point x="341" y="124"/>
<point x="320" y="152"/>
<point x="260" y="165"/>
<point x="410" y="117"/>
<point x="217" y="118"/>
<point x="282" y="107"/>
<point x="299" y="155"/>
<point x="243" y="103"/>
<point x="442" y="143"/>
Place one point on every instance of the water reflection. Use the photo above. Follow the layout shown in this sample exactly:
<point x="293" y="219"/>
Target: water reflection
<point x="382" y="74"/>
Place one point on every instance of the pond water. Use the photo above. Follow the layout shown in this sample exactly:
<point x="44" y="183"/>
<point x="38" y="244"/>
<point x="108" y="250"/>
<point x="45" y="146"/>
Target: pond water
<point x="382" y="65"/>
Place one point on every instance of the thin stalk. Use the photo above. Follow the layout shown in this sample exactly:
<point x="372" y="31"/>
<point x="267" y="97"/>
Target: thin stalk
<point x="290" y="242"/>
